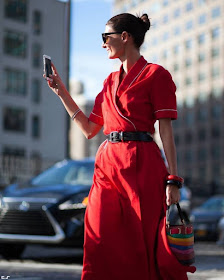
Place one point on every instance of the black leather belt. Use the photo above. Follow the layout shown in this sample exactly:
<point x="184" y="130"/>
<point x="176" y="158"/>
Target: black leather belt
<point x="121" y="136"/>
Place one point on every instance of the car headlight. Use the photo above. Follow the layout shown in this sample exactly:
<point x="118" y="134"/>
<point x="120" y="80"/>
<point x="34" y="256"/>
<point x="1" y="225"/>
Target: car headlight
<point x="79" y="201"/>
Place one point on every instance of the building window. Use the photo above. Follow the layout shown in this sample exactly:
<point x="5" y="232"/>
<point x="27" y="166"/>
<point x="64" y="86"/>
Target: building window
<point x="201" y="57"/>
<point x="189" y="43"/>
<point x="188" y="137"/>
<point x="201" y="76"/>
<point x="202" y="19"/>
<point x="35" y="127"/>
<point x="216" y="111"/>
<point x="135" y="3"/>
<point x="16" y="10"/>
<point x="156" y="7"/>
<point x="188" y="156"/>
<point x="215" y="72"/>
<point x="188" y="81"/>
<point x="188" y="62"/>
<point x="36" y="55"/>
<point x="177" y="86"/>
<point x="14" y="119"/>
<point x="215" y="32"/>
<point x="155" y="58"/>
<point x="155" y="41"/>
<point x="165" y="3"/>
<point x="15" y="82"/>
<point x="155" y="24"/>
<point x="37" y="22"/>
<point x="215" y="152"/>
<point x="165" y="54"/>
<point x="14" y="151"/>
<point x="215" y="132"/>
<point x="15" y="43"/>
<point x="189" y="100"/>
<point x="176" y="67"/>
<point x="179" y="158"/>
<point x="201" y="2"/>
<point x="217" y="91"/>
<point x="165" y="19"/>
<point x="201" y="38"/>
<point x="215" y="52"/>
<point x="177" y="30"/>
<point x="189" y="6"/>
<point x="176" y="49"/>
<point x="216" y="12"/>
<point x="189" y="119"/>
<point x="202" y="173"/>
<point x="202" y="154"/>
<point x="202" y="96"/>
<point x="177" y="140"/>
<point x="165" y="36"/>
<point x="36" y="91"/>
<point x="177" y="123"/>
<point x="201" y="135"/>
<point x="177" y="12"/>
<point x="189" y="25"/>
<point x="202" y="115"/>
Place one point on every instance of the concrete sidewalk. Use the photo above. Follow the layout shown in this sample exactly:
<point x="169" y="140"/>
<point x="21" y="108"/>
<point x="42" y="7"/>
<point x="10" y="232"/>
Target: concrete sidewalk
<point x="209" y="262"/>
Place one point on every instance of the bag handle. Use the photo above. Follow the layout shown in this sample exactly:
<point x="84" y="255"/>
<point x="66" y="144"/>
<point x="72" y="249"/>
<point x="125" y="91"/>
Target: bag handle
<point x="180" y="213"/>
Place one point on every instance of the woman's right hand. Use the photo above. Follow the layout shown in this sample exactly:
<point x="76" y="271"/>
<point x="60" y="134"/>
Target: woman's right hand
<point x="54" y="81"/>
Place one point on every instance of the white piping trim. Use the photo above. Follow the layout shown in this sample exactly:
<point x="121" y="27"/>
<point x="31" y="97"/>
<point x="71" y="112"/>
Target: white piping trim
<point x="166" y="110"/>
<point x="128" y="87"/>
<point x="96" y="115"/>
<point x="120" y="112"/>
<point x="138" y="75"/>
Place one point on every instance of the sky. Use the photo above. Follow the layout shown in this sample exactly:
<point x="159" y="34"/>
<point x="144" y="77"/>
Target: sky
<point x="88" y="60"/>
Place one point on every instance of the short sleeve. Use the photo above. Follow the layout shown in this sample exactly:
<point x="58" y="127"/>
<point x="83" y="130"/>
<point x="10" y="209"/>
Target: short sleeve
<point x="163" y="96"/>
<point x="96" y="115"/>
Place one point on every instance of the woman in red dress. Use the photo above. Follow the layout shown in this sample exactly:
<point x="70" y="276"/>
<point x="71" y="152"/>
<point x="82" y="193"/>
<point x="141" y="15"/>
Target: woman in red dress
<point x="124" y="222"/>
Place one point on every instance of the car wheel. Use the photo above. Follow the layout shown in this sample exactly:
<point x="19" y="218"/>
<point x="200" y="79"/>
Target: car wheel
<point x="11" y="251"/>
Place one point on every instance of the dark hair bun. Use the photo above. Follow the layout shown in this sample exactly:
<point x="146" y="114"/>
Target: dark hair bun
<point x="137" y="26"/>
<point x="144" y="19"/>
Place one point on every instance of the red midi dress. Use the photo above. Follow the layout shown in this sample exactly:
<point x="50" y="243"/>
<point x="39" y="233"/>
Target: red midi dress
<point x="124" y="216"/>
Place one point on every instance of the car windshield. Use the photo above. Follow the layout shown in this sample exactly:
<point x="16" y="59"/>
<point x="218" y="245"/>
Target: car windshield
<point x="72" y="173"/>
<point x="214" y="204"/>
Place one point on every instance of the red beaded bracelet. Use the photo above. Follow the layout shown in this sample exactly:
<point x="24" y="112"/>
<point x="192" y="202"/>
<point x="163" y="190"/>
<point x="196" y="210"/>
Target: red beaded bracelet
<point x="176" y="178"/>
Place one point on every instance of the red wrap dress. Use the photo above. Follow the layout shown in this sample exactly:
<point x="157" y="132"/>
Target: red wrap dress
<point x="126" y="202"/>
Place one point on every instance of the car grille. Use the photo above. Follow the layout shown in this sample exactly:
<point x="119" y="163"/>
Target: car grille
<point x="16" y="219"/>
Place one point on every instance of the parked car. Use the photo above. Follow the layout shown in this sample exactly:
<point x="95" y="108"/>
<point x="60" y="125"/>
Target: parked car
<point x="206" y="217"/>
<point x="49" y="209"/>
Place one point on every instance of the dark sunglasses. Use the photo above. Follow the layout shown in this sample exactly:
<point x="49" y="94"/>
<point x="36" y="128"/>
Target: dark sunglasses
<point x="105" y="36"/>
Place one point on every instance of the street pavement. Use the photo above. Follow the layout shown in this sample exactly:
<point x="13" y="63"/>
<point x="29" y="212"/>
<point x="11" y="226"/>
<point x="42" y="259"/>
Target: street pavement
<point x="209" y="262"/>
<point x="41" y="263"/>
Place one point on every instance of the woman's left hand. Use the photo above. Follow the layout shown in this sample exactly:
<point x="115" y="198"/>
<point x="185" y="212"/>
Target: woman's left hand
<point x="172" y="194"/>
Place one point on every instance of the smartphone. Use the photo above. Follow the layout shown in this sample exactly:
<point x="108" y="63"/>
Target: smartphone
<point x="47" y="66"/>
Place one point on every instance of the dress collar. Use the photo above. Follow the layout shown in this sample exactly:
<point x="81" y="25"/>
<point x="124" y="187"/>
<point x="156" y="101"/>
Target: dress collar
<point x="132" y="75"/>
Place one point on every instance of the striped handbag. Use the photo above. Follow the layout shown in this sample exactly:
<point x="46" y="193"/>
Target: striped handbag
<point x="181" y="239"/>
